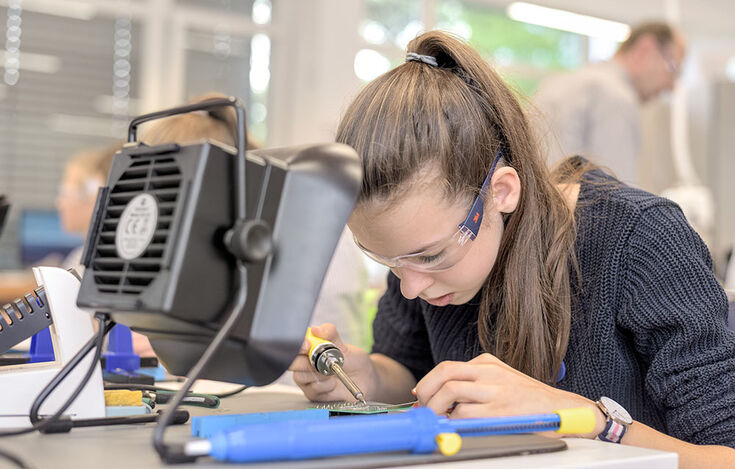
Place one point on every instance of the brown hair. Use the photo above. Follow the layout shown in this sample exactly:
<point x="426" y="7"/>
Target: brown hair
<point x="95" y="162"/>
<point x="457" y="115"/>
<point x="218" y="124"/>
<point x="661" y="32"/>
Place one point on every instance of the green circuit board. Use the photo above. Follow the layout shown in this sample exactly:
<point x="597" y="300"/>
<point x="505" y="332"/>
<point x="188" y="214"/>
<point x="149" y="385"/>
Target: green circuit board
<point x="343" y="407"/>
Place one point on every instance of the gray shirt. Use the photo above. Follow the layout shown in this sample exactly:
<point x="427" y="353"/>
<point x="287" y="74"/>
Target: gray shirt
<point x="595" y="112"/>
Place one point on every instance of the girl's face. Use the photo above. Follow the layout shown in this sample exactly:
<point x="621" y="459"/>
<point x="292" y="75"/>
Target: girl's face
<point x="424" y="217"/>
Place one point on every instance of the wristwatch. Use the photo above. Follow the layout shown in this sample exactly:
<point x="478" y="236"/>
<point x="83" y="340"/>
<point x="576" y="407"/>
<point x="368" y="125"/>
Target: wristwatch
<point x="618" y="420"/>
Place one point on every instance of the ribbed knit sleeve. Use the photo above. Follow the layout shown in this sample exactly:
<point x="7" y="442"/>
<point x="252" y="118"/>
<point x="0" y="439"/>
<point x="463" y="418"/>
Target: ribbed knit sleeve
<point x="675" y="313"/>
<point x="400" y="332"/>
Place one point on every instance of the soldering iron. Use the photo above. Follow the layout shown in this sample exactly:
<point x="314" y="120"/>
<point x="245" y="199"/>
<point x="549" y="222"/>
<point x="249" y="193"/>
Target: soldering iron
<point x="418" y="430"/>
<point x="328" y="360"/>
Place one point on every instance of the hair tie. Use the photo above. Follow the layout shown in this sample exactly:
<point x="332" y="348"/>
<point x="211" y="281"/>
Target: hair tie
<point x="427" y="59"/>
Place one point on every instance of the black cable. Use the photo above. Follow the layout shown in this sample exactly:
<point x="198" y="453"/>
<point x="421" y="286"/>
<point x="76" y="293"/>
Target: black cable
<point x="94" y="342"/>
<point x="14" y="459"/>
<point x="164" y="396"/>
<point x="36" y="425"/>
<point x="147" y="387"/>
<point x="64" y="425"/>
<point x="103" y="327"/>
<point x="167" y="453"/>
<point x="231" y="393"/>
<point x="110" y="386"/>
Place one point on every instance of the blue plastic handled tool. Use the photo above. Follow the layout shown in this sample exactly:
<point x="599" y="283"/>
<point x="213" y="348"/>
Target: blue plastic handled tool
<point x="205" y="426"/>
<point x="120" y="354"/>
<point x="418" y="430"/>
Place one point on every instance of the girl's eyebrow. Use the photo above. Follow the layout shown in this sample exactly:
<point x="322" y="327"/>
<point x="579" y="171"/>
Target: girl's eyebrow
<point x="412" y="253"/>
<point x="425" y="247"/>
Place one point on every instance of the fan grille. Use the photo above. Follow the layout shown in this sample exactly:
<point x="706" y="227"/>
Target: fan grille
<point x="161" y="178"/>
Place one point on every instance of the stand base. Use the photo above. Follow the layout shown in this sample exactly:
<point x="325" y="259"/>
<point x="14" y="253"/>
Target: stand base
<point x="71" y="329"/>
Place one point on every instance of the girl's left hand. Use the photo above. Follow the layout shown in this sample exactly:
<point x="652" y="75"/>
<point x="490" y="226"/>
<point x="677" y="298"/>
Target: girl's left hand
<point x="487" y="387"/>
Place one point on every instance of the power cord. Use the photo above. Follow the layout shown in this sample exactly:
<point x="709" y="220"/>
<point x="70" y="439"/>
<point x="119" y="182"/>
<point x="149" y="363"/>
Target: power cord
<point x="105" y="324"/>
<point x="37" y="423"/>
<point x="148" y="387"/>
<point x="163" y="396"/>
<point x="175" y="454"/>
<point x="14" y="459"/>
<point x="231" y="393"/>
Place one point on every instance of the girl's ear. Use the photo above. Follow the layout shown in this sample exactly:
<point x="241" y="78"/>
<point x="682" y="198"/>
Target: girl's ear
<point x="505" y="186"/>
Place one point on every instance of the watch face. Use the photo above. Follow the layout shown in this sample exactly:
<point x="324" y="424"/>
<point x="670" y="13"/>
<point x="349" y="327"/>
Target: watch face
<point x="616" y="411"/>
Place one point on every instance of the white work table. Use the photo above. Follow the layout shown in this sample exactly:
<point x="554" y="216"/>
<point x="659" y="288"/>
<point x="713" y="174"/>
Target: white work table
<point x="129" y="446"/>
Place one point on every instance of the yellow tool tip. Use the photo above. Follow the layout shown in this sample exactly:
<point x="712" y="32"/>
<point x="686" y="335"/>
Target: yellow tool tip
<point x="449" y="443"/>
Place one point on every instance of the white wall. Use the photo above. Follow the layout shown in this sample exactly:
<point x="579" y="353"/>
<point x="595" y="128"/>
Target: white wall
<point x="312" y="77"/>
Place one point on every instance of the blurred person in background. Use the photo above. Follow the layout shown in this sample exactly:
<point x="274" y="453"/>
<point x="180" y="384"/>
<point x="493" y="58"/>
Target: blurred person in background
<point x="84" y="174"/>
<point x="595" y="111"/>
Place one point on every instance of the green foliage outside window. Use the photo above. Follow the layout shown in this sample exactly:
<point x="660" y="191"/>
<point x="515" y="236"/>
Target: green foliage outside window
<point x="526" y="52"/>
<point x="522" y="52"/>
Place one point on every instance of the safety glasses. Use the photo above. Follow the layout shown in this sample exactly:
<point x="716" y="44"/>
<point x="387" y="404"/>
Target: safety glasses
<point x="673" y="68"/>
<point x="446" y="253"/>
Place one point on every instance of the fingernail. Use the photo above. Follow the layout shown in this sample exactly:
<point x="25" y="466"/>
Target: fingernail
<point x="413" y="391"/>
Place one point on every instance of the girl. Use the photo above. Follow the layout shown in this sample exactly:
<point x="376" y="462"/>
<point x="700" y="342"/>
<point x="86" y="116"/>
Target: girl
<point x="516" y="291"/>
<point x="83" y="176"/>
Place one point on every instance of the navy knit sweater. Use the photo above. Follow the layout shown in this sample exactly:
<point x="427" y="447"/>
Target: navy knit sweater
<point x="648" y="328"/>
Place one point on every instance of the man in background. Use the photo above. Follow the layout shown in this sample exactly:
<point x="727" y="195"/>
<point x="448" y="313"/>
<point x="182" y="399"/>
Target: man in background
<point x="595" y="111"/>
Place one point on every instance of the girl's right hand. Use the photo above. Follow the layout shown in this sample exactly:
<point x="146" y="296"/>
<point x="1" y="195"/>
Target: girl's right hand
<point x="318" y="387"/>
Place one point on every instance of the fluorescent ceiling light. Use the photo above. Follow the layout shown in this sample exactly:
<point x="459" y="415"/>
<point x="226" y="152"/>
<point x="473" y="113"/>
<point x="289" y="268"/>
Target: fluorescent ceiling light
<point x="568" y="21"/>
<point x="31" y="62"/>
<point x="66" y="8"/>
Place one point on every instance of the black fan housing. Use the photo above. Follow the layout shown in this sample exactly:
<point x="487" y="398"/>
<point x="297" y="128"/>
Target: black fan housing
<point x="156" y="259"/>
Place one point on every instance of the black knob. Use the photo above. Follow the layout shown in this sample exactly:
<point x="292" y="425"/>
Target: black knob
<point x="250" y="241"/>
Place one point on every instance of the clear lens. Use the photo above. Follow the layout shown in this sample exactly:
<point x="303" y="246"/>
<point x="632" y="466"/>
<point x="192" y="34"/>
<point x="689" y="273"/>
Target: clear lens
<point x="442" y="257"/>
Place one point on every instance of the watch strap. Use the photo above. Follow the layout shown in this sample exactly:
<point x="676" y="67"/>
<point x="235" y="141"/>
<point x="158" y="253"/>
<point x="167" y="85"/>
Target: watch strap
<point x="613" y="432"/>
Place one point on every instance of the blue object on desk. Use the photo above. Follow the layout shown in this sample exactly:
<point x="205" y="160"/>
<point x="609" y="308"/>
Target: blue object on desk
<point x="506" y="425"/>
<point x="415" y="430"/>
<point x="120" y="355"/>
<point x="42" y="348"/>
<point x="158" y="373"/>
<point x="208" y="425"/>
